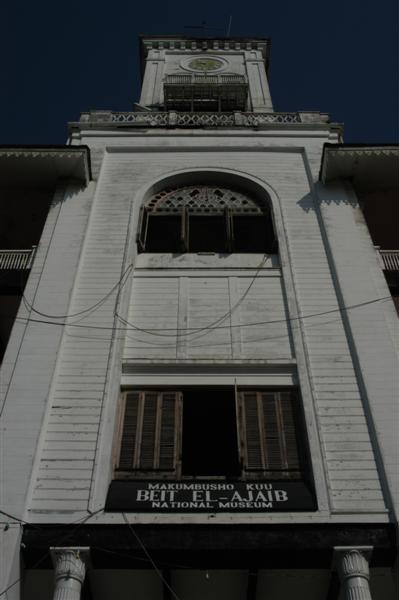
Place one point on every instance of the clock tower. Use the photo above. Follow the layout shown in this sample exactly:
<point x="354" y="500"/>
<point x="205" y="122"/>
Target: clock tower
<point x="196" y="75"/>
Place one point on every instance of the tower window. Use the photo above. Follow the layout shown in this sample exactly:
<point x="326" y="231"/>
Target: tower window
<point x="205" y="219"/>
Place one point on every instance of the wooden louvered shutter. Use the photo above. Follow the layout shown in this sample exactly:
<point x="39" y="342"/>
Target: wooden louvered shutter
<point x="184" y="232"/>
<point x="142" y="229"/>
<point x="228" y="215"/>
<point x="271" y="238"/>
<point x="268" y="432"/>
<point x="128" y="441"/>
<point x="151" y="432"/>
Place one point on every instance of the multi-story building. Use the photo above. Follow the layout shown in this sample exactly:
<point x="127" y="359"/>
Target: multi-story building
<point x="200" y="371"/>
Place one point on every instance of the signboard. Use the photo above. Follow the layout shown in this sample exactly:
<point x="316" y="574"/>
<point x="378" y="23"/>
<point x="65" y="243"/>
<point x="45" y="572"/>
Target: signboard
<point x="199" y="496"/>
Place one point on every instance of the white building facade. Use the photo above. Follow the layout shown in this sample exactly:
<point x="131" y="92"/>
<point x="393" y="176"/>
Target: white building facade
<point x="200" y="388"/>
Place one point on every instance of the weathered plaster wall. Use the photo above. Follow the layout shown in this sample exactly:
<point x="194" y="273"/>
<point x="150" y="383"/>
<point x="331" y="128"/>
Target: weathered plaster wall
<point x="29" y="362"/>
<point x="84" y="392"/>
<point x="372" y="325"/>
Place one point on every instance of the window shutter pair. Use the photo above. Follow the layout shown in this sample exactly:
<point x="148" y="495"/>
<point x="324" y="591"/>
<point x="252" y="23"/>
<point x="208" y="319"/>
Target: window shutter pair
<point x="150" y="431"/>
<point x="268" y="433"/>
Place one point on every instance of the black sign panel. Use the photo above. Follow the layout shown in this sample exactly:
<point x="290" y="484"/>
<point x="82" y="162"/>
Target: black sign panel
<point x="209" y="496"/>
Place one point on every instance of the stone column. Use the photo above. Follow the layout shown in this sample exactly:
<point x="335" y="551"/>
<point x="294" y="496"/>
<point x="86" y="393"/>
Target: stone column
<point x="69" y="570"/>
<point x="353" y="569"/>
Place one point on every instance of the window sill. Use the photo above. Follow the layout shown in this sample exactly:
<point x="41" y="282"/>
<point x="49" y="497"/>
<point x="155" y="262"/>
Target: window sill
<point x="207" y="260"/>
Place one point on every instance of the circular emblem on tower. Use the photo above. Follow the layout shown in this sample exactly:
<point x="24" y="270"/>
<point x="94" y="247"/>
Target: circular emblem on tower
<point x="204" y="64"/>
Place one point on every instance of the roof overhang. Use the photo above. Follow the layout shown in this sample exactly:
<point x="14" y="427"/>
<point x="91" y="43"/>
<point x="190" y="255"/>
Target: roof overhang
<point x="367" y="166"/>
<point x="43" y="166"/>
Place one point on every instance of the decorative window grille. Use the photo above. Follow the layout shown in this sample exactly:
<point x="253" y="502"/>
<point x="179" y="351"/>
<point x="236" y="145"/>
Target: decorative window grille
<point x="183" y="433"/>
<point x="203" y="199"/>
<point x="203" y="218"/>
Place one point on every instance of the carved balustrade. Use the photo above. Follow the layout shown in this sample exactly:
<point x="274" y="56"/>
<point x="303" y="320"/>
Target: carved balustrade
<point x="172" y="119"/>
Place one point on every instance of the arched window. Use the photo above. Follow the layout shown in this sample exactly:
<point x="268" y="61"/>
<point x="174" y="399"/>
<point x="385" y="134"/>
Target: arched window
<point x="205" y="218"/>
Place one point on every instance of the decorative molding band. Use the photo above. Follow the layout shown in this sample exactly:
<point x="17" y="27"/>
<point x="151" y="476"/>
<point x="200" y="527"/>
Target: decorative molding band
<point x="70" y="153"/>
<point x="358" y="152"/>
<point x="205" y="44"/>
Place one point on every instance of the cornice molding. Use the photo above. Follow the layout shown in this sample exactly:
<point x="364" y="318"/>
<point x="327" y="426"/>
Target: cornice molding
<point x="64" y="162"/>
<point x="198" y="44"/>
<point x="366" y="166"/>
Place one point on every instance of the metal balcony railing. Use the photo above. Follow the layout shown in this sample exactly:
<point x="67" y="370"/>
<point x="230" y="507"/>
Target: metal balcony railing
<point x="390" y="259"/>
<point x="197" y="79"/>
<point x="17" y="259"/>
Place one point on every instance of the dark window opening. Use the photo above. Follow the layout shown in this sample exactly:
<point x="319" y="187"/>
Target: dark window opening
<point x="164" y="233"/>
<point x="207" y="234"/>
<point x="23" y="212"/>
<point x="9" y="305"/>
<point x="210" y="446"/>
<point x="223" y="233"/>
<point x="381" y="212"/>
<point x="392" y="279"/>
<point x="253" y="234"/>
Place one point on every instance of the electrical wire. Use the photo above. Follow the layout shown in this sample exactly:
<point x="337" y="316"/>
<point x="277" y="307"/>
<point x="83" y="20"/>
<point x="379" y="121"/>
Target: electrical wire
<point x="160" y="345"/>
<point x="158" y="572"/>
<point x="220" y="319"/>
<point x="118" y="286"/>
<point x="17" y="519"/>
<point x="251" y="324"/>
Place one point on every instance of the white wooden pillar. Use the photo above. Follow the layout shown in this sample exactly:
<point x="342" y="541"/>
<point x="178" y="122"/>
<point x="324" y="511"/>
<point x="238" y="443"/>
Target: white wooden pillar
<point x="353" y="569"/>
<point x="69" y="571"/>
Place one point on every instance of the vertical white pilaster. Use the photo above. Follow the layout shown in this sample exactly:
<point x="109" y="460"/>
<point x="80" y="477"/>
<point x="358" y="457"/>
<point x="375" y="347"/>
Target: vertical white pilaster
<point x="353" y="569"/>
<point x="69" y="572"/>
<point x="259" y="92"/>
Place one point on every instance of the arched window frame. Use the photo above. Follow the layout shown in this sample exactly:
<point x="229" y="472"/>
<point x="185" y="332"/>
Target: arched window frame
<point x="205" y="218"/>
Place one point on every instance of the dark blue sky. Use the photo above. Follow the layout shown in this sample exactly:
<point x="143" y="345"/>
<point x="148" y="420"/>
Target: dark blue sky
<point x="62" y="58"/>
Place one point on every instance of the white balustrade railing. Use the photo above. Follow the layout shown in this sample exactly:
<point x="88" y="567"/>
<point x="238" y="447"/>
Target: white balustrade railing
<point x="206" y="119"/>
<point x="390" y="259"/>
<point x="154" y="119"/>
<point x="17" y="259"/>
<point x="206" y="79"/>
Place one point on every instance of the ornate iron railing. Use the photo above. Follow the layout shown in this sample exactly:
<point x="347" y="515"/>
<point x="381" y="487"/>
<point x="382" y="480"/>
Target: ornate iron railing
<point x="154" y="119"/>
<point x="192" y="119"/>
<point x="200" y="119"/>
<point x="197" y="79"/>
<point x="390" y="259"/>
<point x="17" y="259"/>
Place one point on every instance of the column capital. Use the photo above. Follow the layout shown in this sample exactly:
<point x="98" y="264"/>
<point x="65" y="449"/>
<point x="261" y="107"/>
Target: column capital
<point x="70" y="562"/>
<point x="352" y="563"/>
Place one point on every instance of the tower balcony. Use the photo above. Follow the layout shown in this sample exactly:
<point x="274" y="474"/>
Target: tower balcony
<point x="196" y="92"/>
<point x="208" y="119"/>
